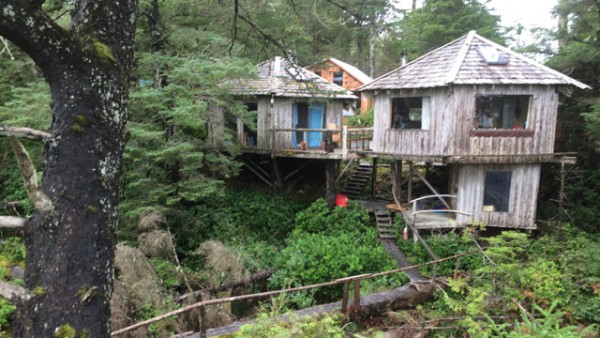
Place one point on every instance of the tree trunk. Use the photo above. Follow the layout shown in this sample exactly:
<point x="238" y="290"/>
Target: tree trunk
<point x="70" y="249"/>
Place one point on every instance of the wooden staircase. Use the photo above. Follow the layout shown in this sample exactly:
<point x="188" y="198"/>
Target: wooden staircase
<point x="355" y="184"/>
<point x="383" y="219"/>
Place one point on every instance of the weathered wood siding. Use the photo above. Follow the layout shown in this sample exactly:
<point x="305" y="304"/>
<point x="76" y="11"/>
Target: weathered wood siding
<point x="543" y="106"/>
<point x="453" y="119"/>
<point x="524" y="186"/>
<point x="263" y="122"/>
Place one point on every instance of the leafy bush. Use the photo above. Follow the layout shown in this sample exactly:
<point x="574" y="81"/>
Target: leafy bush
<point x="329" y="245"/>
<point x="442" y="246"/>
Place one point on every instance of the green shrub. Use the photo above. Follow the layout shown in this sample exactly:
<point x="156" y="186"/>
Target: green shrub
<point x="330" y="245"/>
<point x="269" y="327"/>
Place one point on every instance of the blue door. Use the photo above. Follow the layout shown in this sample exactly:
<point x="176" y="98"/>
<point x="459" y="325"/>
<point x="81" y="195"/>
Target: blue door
<point x="307" y="117"/>
<point x="315" y="121"/>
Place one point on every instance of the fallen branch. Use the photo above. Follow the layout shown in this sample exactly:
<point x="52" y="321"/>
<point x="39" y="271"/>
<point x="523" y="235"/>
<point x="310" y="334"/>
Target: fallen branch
<point x="14" y="293"/>
<point x="22" y="132"/>
<point x="12" y="222"/>
<point x="242" y="282"/>
<point x="41" y="201"/>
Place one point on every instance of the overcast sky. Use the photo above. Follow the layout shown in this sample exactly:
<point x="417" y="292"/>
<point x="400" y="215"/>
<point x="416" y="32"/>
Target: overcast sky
<point x="529" y="13"/>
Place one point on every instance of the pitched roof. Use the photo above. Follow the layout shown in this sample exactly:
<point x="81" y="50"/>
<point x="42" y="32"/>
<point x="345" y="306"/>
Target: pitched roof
<point x="281" y="77"/>
<point x="350" y="69"/>
<point x="461" y="62"/>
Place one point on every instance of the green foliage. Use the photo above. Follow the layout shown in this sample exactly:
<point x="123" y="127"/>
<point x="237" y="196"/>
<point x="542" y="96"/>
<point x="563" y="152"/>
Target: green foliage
<point x="167" y="272"/>
<point x="6" y="311"/>
<point x="269" y="326"/>
<point x="442" y="246"/>
<point x="362" y="120"/>
<point x="548" y="325"/>
<point x="329" y="245"/>
<point x="441" y="21"/>
<point x="12" y="250"/>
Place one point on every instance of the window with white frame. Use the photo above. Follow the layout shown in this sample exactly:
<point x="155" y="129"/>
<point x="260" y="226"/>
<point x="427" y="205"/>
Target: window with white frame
<point x="411" y="112"/>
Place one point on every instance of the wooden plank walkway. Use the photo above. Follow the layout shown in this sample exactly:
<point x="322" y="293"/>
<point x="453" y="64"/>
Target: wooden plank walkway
<point x="390" y="246"/>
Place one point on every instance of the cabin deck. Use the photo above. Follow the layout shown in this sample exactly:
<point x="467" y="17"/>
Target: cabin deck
<point x="434" y="220"/>
<point x="313" y="153"/>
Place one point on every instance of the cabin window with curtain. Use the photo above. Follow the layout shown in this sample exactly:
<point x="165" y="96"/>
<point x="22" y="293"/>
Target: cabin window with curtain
<point x="496" y="194"/>
<point x="338" y="78"/>
<point x="502" y="111"/>
<point x="411" y="112"/>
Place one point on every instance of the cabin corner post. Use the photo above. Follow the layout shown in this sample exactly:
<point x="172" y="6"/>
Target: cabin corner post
<point x="345" y="142"/>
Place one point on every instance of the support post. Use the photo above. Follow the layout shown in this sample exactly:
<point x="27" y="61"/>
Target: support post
<point x="330" y="175"/>
<point x="202" y="321"/>
<point x="411" y="169"/>
<point x="278" y="181"/>
<point x="344" y="142"/>
<point x="345" y="296"/>
<point x="397" y="179"/>
<point x="561" y="197"/>
<point x="356" y="294"/>
<point x="374" y="176"/>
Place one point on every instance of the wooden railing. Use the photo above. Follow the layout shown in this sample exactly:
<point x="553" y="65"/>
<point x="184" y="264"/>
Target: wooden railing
<point x="345" y="296"/>
<point x="346" y="139"/>
<point x="414" y="206"/>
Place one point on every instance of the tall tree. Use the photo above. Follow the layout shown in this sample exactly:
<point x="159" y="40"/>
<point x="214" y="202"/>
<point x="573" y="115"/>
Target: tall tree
<point x="441" y="21"/>
<point x="579" y="56"/>
<point x="70" y="238"/>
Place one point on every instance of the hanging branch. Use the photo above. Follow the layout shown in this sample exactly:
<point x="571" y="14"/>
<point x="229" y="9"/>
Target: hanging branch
<point x="5" y="48"/>
<point x="236" y="5"/>
<point x="41" y="201"/>
<point x="28" y="133"/>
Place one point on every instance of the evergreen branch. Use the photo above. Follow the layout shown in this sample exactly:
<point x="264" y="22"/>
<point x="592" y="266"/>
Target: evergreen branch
<point x="14" y="293"/>
<point x="41" y="201"/>
<point x="28" y="133"/>
<point x="265" y="35"/>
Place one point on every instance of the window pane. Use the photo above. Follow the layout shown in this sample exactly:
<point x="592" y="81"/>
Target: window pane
<point x="502" y="111"/>
<point x="410" y="112"/>
<point x="497" y="191"/>
<point x="338" y="78"/>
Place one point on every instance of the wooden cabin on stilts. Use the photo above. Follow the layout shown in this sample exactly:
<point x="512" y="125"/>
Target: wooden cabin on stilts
<point x="484" y="112"/>
<point x="298" y="116"/>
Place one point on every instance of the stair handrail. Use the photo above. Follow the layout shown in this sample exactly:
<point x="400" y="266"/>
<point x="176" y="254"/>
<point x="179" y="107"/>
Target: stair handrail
<point x="416" y="234"/>
<point x="344" y="171"/>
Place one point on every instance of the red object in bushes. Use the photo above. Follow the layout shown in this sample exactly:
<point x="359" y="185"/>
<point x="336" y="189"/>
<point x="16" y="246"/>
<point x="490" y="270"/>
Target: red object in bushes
<point x="341" y="200"/>
<point x="405" y="233"/>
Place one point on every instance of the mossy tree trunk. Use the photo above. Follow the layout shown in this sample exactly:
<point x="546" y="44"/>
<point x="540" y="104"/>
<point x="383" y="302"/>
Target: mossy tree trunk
<point x="70" y="247"/>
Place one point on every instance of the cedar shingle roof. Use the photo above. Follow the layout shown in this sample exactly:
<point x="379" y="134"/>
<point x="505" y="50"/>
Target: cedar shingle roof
<point x="350" y="69"/>
<point x="459" y="62"/>
<point x="280" y="77"/>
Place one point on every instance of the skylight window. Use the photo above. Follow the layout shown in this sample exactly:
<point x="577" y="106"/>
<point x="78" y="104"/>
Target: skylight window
<point x="491" y="55"/>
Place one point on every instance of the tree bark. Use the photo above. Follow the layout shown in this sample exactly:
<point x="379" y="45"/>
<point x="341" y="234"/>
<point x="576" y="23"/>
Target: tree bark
<point x="70" y="248"/>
